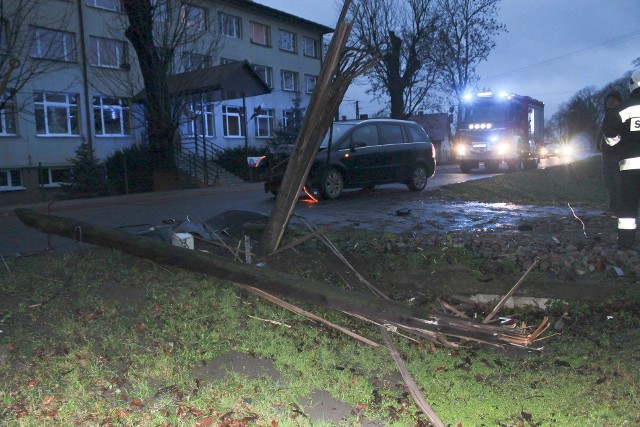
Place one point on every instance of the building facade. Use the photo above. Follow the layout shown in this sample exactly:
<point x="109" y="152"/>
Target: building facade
<point x="70" y="77"/>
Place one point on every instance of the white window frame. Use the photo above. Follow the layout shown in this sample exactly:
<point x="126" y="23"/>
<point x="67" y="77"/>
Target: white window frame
<point x="230" y="25"/>
<point x="191" y="61"/>
<point x="286" y="77"/>
<point x="43" y="45"/>
<point x="307" y="43"/>
<point x="49" y="107"/>
<point x="310" y="83"/>
<point x="112" y="5"/>
<point x="265" y="72"/>
<point x="50" y="182"/>
<point x="9" y="175"/>
<point x="194" y="22"/>
<point x="288" y="118"/>
<point x="115" y="106"/>
<point x="8" y="114"/>
<point x="288" y="41"/>
<point x="264" y="33"/>
<point x="264" y="123"/>
<point x="102" y="49"/>
<point x="232" y="113"/>
<point x="192" y="119"/>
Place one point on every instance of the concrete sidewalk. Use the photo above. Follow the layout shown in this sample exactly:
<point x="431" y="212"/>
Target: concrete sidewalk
<point x="130" y="199"/>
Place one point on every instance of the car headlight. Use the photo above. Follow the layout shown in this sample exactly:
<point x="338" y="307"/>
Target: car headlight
<point x="502" y="149"/>
<point x="567" y="150"/>
<point x="461" y="150"/>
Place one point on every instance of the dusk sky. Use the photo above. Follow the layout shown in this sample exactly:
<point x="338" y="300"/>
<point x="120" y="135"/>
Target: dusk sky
<point x="552" y="49"/>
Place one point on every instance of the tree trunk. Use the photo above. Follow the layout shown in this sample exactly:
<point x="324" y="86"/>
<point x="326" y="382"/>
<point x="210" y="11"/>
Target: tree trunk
<point x="154" y="69"/>
<point x="284" y="285"/>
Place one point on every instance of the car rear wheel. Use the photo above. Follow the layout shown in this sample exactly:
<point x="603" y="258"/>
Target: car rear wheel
<point x="531" y="163"/>
<point x="513" y="165"/>
<point x="418" y="179"/>
<point x="492" y="166"/>
<point x="466" y="167"/>
<point x="332" y="184"/>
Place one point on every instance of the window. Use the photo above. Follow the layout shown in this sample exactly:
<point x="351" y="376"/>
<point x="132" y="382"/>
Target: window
<point x="310" y="83"/>
<point x="266" y="73"/>
<point x="190" y="61"/>
<point x="105" y="4"/>
<point x="193" y="17"/>
<point x="107" y="53"/>
<point x="7" y="115"/>
<point x="160" y="10"/>
<point x="288" y="41"/>
<point x="260" y="33"/>
<point x="264" y="121"/>
<point x="391" y="134"/>
<point x="230" y="26"/>
<point x="224" y="61"/>
<point x="310" y="47"/>
<point x="232" y="121"/>
<point x="111" y="116"/>
<point x="198" y="120"/>
<point x="289" y="80"/>
<point x="367" y="134"/>
<point x="52" y="44"/>
<point x="290" y="119"/>
<point x="10" y="179"/>
<point x="56" y="113"/>
<point x="50" y="177"/>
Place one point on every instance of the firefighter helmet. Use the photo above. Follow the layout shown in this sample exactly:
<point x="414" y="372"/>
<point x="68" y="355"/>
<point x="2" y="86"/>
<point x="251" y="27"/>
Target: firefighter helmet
<point x="634" y="81"/>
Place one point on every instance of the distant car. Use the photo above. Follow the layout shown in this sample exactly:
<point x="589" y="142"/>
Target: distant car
<point x="363" y="154"/>
<point x="558" y="150"/>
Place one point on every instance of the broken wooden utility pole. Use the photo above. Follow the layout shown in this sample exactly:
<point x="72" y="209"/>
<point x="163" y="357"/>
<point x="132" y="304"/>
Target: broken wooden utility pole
<point x="392" y="314"/>
<point x="338" y="71"/>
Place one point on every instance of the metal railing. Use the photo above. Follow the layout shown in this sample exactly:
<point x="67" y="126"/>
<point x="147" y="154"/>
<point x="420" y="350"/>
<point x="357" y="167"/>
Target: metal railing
<point x="197" y="157"/>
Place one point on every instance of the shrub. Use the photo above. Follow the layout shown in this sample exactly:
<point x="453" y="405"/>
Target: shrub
<point x="88" y="175"/>
<point x="235" y="161"/>
<point x="130" y="168"/>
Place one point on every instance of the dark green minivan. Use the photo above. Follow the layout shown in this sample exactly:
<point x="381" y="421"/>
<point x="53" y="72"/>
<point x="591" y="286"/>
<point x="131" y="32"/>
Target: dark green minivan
<point x="363" y="154"/>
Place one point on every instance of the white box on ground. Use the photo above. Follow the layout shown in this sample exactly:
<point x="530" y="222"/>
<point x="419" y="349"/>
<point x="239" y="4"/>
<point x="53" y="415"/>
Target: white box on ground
<point x="184" y="240"/>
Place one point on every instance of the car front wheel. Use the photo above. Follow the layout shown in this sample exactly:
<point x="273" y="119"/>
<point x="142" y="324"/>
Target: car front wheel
<point x="418" y="179"/>
<point x="332" y="184"/>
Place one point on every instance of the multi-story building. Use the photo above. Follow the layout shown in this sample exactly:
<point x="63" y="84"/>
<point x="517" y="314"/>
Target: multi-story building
<point x="78" y="74"/>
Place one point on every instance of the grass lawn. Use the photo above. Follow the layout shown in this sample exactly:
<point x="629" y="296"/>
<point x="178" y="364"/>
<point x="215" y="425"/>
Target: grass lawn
<point x="100" y="338"/>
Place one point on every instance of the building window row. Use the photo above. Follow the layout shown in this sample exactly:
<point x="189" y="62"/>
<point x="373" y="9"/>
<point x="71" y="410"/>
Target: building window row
<point x="231" y="26"/>
<point x="56" y="114"/>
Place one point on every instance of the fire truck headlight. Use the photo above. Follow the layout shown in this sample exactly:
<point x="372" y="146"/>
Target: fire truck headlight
<point x="503" y="149"/>
<point x="461" y="150"/>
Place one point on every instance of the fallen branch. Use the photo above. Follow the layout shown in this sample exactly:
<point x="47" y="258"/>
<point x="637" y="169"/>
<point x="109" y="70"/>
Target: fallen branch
<point x="504" y="300"/>
<point x="284" y="285"/>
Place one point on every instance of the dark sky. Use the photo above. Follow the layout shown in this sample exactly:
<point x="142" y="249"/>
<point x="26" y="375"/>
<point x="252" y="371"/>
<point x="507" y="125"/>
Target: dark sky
<point x="552" y="49"/>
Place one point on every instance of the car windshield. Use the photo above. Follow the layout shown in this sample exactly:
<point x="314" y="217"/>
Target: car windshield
<point x="339" y="129"/>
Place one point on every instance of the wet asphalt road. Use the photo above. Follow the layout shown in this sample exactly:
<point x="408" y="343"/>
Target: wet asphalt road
<point x="390" y="208"/>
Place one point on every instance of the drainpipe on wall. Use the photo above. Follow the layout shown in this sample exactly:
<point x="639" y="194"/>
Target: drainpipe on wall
<point x="85" y="77"/>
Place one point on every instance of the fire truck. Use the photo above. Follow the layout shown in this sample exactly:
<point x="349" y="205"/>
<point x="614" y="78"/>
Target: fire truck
<point x="495" y="128"/>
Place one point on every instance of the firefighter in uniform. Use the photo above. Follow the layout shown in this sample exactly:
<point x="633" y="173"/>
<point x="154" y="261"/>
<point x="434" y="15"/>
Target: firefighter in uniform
<point x="622" y="128"/>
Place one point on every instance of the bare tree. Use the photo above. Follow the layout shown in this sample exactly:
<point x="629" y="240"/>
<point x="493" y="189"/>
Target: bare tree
<point x="160" y="31"/>
<point x="466" y="37"/>
<point x="401" y="33"/>
<point x="29" y="51"/>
